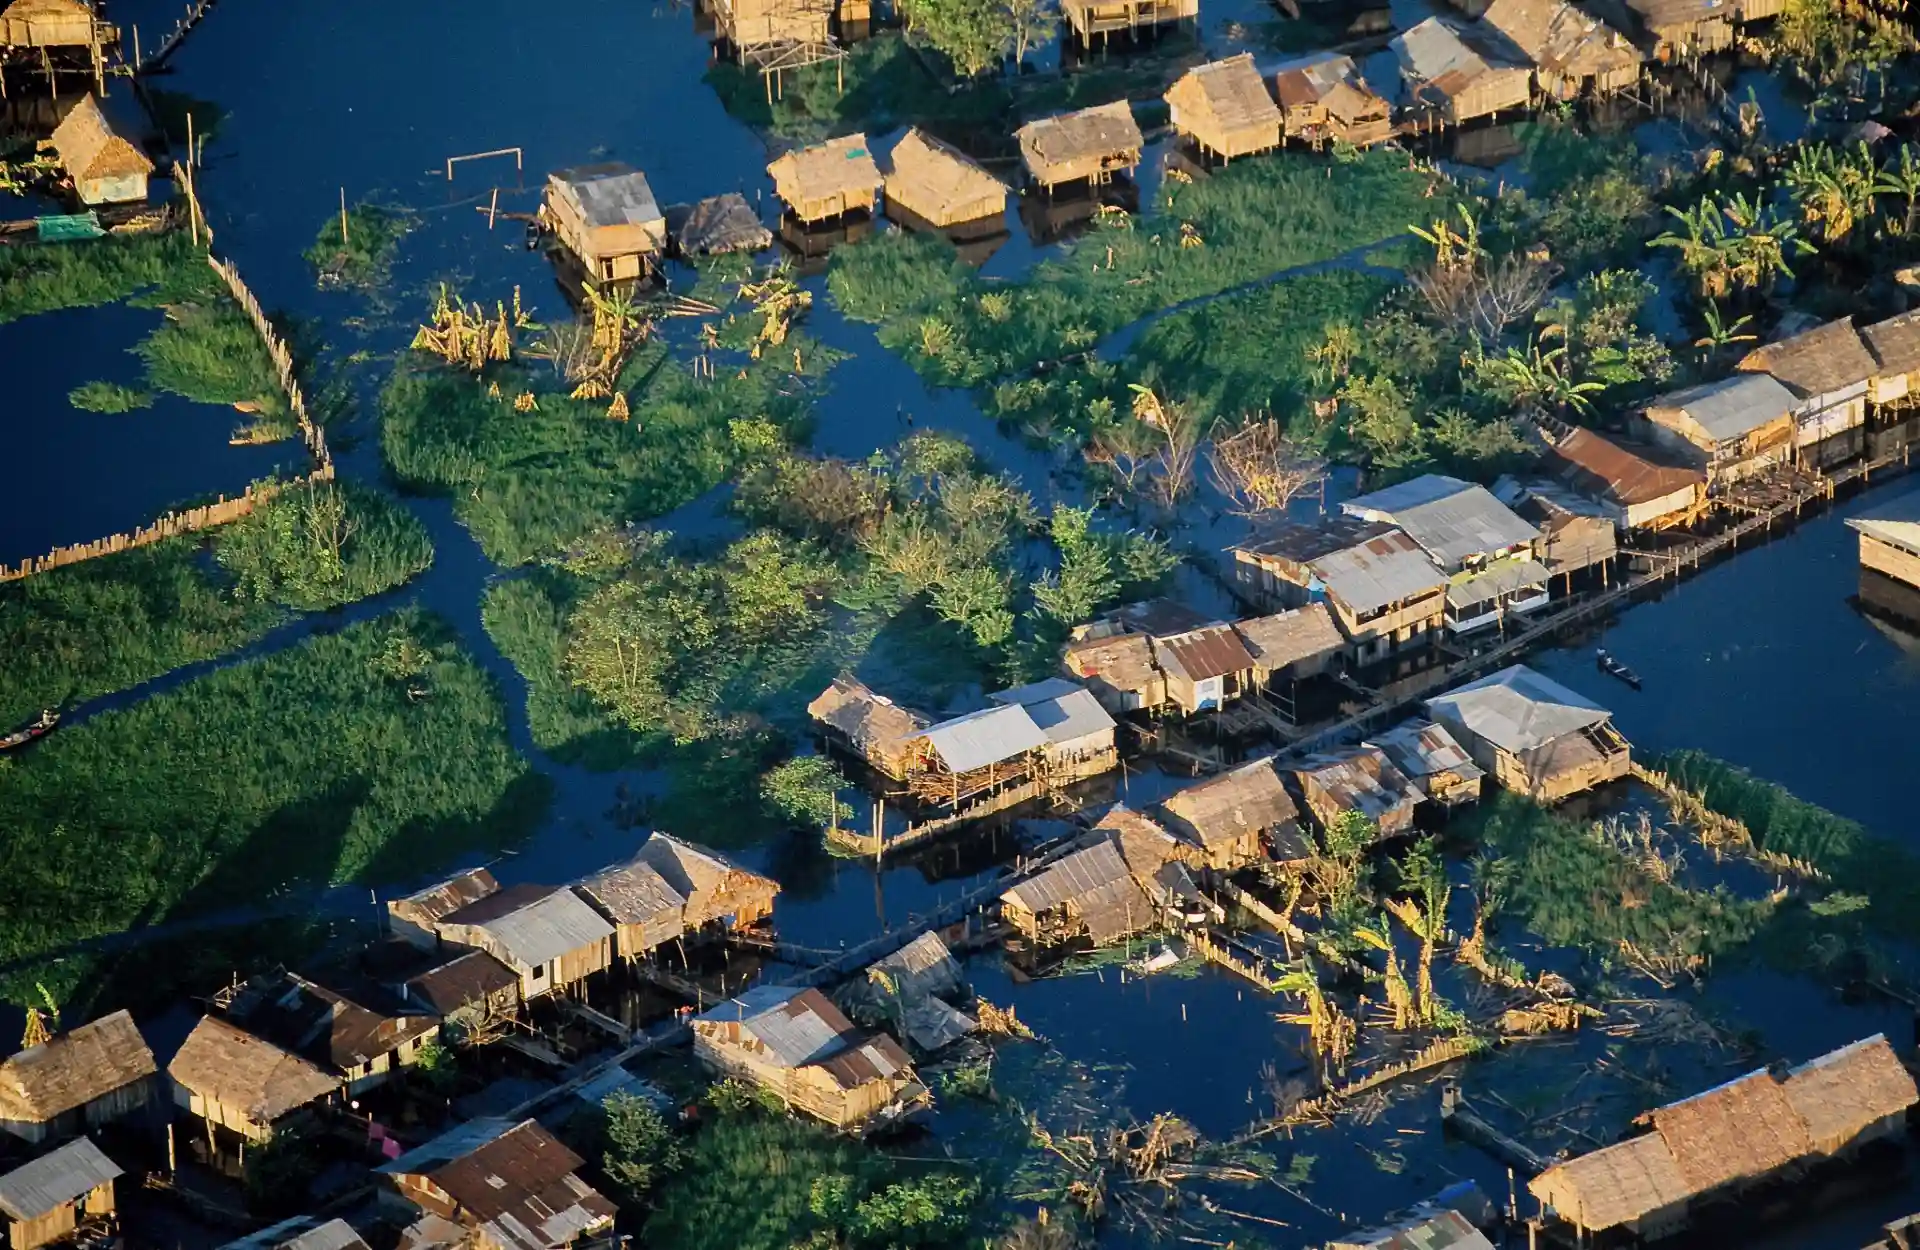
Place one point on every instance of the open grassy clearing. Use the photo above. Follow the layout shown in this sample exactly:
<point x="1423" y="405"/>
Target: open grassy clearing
<point x="375" y="754"/>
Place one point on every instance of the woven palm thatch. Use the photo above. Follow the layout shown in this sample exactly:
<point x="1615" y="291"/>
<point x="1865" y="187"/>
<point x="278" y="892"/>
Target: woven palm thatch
<point x="1226" y="108"/>
<point x="73" y="1069"/>
<point x="46" y="24"/>
<point x="245" y="1075"/>
<point x="89" y="148"/>
<point x="827" y="179"/>
<point x="1091" y="143"/>
<point x="938" y="184"/>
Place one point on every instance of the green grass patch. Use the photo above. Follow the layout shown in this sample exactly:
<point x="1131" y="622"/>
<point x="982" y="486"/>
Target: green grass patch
<point x="1241" y="224"/>
<point x="373" y="755"/>
<point x="110" y="397"/>
<point x="1572" y="887"/>
<point x="527" y="619"/>
<point x="103" y="625"/>
<point x="527" y="482"/>
<point x="364" y="256"/>
<point x="320" y="545"/>
<point x="207" y="351"/>
<point x="163" y="267"/>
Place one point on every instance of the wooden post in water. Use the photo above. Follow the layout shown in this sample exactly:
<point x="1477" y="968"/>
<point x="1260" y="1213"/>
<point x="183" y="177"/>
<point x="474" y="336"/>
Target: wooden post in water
<point x="343" y="217"/>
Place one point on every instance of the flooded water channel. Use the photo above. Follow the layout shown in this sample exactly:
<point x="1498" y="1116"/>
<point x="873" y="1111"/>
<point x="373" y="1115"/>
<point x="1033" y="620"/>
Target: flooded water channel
<point x="1761" y="660"/>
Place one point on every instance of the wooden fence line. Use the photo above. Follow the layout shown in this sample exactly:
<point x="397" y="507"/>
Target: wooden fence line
<point x="223" y="510"/>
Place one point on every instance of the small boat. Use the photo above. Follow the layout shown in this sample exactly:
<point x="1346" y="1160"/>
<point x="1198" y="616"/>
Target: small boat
<point x="1158" y="961"/>
<point x="1612" y="667"/>
<point x="39" y="727"/>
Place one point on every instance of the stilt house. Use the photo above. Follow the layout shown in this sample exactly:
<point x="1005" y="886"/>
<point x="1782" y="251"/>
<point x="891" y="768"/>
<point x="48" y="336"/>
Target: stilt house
<point x="1290" y="645"/>
<point x="1323" y="97"/>
<point x="874" y="728"/>
<point x="1120" y="671"/>
<point x="360" y="1046"/>
<point x="1829" y="370"/>
<point x="1080" y="734"/>
<point x="1683" y="30"/>
<point x="77" y="1081"/>
<point x="763" y="29"/>
<point x="1047" y="734"/>
<point x="1575" y="532"/>
<point x="106" y="168"/>
<point x="1895" y="344"/>
<point x="1449" y="76"/>
<point x="1486" y="550"/>
<point x="416" y="918"/>
<point x="1238" y="818"/>
<point x="547" y="934"/>
<point x="1206" y="668"/>
<point x="1430" y="758"/>
<point x="1765" y="1125"/>
<point x="302" y="1232"/>
<point x="228" y="1078"/>
<point x="933" y="184"/>
<point x="797" y="1044"/>
<point x="1638" y="490"/>
<point x="1359" y="779"/>
<point x="1890" y="539"/>
<point x="1571" y="50"/>
<point x="1090" y="145"/>
<point x="468" y="988"/>
<point x="921" y="976"/>
<point x="509" y="1186"/>
<point x="1100" y="20"/>
<point x="1535" y="736"/>
<point x="51" y="24"/>
<point x="1091" y="894"/>
<point x="716" y="226"/>
<point x="828" y="180"/>
<point x="1225" y="108"/>
<point x="53" y="1197"/>
<point x="1385" y="593"/>
<point x="605" y="215"/>
<point x="1734" y="428"/>
<point x="1428" y="1229"/>
<point x="674" y="891"/>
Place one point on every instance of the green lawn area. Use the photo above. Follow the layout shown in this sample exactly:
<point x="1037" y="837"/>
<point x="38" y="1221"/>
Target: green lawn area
<point x="376" y="754"/>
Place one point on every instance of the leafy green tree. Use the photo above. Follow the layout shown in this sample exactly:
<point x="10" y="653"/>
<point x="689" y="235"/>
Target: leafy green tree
<point x="279" y="1173"/>
<point x="975" y="35"/>
<point x="639" y="1149"/>
<point x="434" y="1065"/>
<point x="806" y="791"/>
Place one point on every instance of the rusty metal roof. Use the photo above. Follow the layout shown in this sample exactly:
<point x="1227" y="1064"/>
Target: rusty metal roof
<point x="439" y="901"/>
<point x="320" y="1024"/>
<point x="1379" y="571"/>
<point x="473" y="977"/>
<point x="1204" y="653"/>
<point x="1421" y="748"/>
<point x="515" y="1182"/>
<point x="1594" y="463"/>
<point x="1451" y="519"/>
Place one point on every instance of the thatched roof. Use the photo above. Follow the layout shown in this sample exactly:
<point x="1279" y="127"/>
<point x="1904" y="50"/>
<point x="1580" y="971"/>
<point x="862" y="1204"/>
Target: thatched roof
<point x="1121" y="661"/>
<point x="717" y="225"/>
<point x="1826" y="358"/>
<point x="1089" y="134"/>
<point x="923" y="967"/>
<point x="927" y="172"/>
<point x="870" y="721"/>
<point x="73" y="1069"/>
<point x="1221" y="810"/>
<point x="711" y="884"/>
<point x="1289" y="637"/>
<point x="242" y="1072"/>
<point x="842" y="166"/>
<point x="1560" y="37"/>
<point x="1733" y="1134"/>
<point x="89" y="148"/>
<point x="1231" y="92"/>
<point x="1895" y="343"/>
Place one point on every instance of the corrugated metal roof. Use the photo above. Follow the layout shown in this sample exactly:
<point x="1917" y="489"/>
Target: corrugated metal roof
<point x="461" y="982"/>
<point x="302" y="1232"/>
<point x="1732" y="407"/>
<point x="1896" y="522"/>
<point x="1063" y="711"/>
<point x="1073" y="878"/>
<point x="1503" y="577"/>
<point x="1517" y="709"/>
<point x="1362" y="779"/>
<point x="547" y="928"/>
<point x="51" y="1181"/>
<point x="1612" y="470"/>
<point x="1453" y="520"/>
<point x="800" y="1026"/>
<point x="1439" y="1230"/>
<point x="990" y="736"/>
<point x="611" y="194"/>
<point x="1380" y="571"/>
<point x="1204" y="653"/>
<point x="1420" y="748"/>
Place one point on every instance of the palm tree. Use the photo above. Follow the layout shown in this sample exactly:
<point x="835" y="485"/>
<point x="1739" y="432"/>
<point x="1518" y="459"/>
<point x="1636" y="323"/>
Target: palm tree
<point x="1540" y="381"/>
<point x="1762" y="240"/>
<point x="1903" y="179"/>
<point x="1703" y="246"/>
<point x="1722" y="334"/>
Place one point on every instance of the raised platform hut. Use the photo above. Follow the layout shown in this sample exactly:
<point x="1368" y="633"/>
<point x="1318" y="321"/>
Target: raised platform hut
<point x="361" y="1046"/>
<point x="416" y="918"/>
<point x="76" y="1081"/>
<point x="1291" y="645"/>
<point x="675" y="891"/>
<point x="1385" y="593"/>
<point x="1576" y="532"/>
<point x="1236" y="817"/>
<point x="1637" y="488"/>
<point x="547" y="934"/>
<point x="1571" y="50"/>
<point x="1080" y="733"/>
<point x="1890" y="539"/>
<point x="1533" y="735"/>
<point x="1895" y="344"/>
<point x="501" y="1185"/>
<point x="1091" y="895"/>
<point x="1829" y="371"/>
<point x="52" y="24"/>
<point x="1120" y="671"/>
<point x="1768" y="1125"/>
<point x="606" y="216"/>
<point x="1359" y="779"/>
<point x="56" y="1195"/>
<point x="1433" y="761"/>
<point x="228" y="1078"/>
<point x="1225" y="108"/>
<point x="870" y="726"/>
<point x="717" y="226"/>
<point x="1206" y="668"/>
<point x="106" y="167"/>
<point x="776" y="32"/>
<point x="933" y="184"/>
<point x="1324" y="97"/>
<point x="828" y="180"/>
<point x="1485" y="548"/>
<point x="1683" y="30"/>
<point x="1450" y="76"/>
<point x="1090" y="145"/>
<point x="797" y="1045"/>
<point x="1730" y="429"/>
<point x="1100" y="20"/>
<point x="1047" y="734"/>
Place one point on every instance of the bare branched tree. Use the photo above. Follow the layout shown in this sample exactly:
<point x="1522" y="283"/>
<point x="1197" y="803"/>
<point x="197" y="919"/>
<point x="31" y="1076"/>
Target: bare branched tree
<point x="330" y="527"/>
<point x="1176" y="445"/>
<point x="1261" y="470"/>
<point x="1483" y="298"/>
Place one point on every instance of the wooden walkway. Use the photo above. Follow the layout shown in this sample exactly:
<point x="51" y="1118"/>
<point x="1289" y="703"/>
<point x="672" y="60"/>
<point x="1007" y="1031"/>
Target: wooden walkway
<point x="192" y="18"/>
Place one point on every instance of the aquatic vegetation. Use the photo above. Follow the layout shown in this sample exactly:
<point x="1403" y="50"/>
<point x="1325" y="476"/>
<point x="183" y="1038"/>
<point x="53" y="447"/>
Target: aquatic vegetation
<point x="310" y="766"/>
<point x="806" y="790"/>
<point x="359" y="251"/>
<point x="208" y="352"/>
<point x="107" y="624"/>
<point x="527" y="619"/>
<point x="111" y="397"/>
<point x="160" y="268"/>
<point x="895" y="273"/>
<point x="322" y="544"/>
